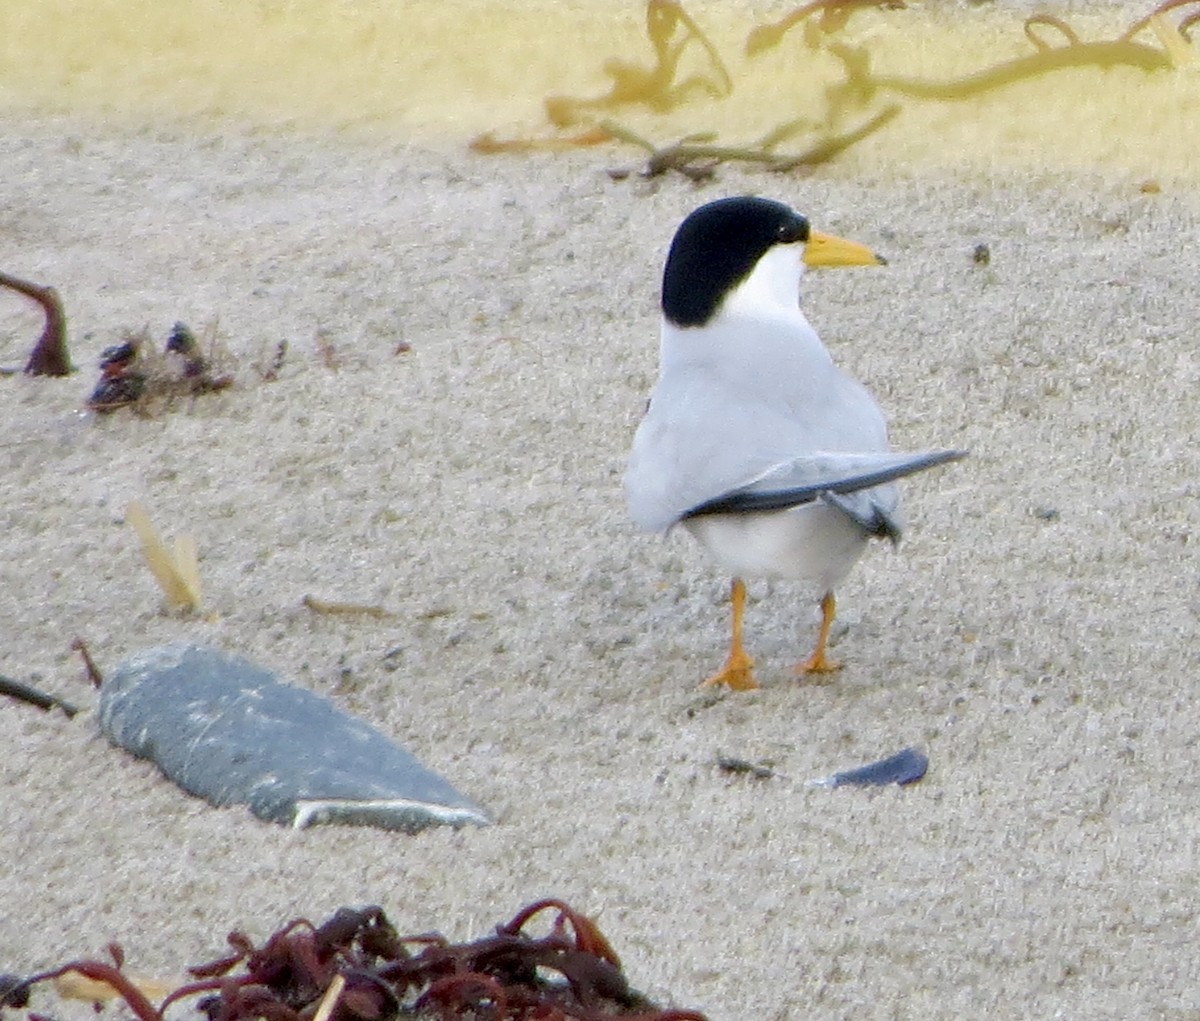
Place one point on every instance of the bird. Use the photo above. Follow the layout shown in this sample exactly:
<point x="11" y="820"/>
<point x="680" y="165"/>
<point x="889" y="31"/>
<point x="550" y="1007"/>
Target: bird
<point x="753" y="440"/>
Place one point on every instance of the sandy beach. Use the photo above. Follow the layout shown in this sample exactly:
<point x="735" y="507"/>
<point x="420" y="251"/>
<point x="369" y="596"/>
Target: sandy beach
<point x="470" y="342"/>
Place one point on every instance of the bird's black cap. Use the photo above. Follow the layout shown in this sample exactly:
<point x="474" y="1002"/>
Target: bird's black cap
<point x="715" y="249"/>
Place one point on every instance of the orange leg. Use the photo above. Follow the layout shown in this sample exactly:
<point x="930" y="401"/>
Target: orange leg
<point x="818" y="662"/>
<point x="738" y="671"/>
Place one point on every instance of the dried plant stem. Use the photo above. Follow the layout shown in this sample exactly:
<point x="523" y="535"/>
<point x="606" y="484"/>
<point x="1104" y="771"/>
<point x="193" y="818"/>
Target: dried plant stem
<point x="178" y="572"/>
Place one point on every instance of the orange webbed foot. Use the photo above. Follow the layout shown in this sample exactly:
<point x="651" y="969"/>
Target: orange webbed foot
<point x="818" y="663"/>
<point x="737" y="673"/>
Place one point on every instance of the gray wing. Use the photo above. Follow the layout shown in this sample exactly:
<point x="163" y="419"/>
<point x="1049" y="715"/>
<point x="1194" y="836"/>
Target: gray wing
<point x="813" y="476"/>
<point x="685" y="466"/>
<point x="705" y="446"/>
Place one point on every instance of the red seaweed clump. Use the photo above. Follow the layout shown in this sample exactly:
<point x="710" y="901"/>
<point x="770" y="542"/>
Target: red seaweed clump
<point x="355" y="967"/>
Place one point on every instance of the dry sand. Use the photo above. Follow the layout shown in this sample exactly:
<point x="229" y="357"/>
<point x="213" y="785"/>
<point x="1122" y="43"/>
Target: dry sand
<point x="1036" y="633"/>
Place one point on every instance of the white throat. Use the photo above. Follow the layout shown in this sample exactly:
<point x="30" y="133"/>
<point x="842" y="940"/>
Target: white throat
<point x="772" y="287"/>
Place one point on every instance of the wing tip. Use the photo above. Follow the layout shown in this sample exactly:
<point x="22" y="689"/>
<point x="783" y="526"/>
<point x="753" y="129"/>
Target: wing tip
<point x="743" y="502"/>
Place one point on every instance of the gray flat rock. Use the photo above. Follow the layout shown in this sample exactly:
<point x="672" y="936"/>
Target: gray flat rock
<point x="231" y="732"/>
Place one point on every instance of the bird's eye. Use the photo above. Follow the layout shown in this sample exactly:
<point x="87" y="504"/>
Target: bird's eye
<point x="791" y="231"/>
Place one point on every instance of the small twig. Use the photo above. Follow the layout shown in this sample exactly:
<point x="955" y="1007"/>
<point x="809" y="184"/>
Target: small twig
<point x="27" y="693"/>
<point x="271" y="372"/>
<point x="329" y="1001"/>
<point x="345" y="609"/>
<point x="732" y="764"/>
<point x="93" y="672"/>
<point x="49" y="356"/>
<point x="327" y="350"/>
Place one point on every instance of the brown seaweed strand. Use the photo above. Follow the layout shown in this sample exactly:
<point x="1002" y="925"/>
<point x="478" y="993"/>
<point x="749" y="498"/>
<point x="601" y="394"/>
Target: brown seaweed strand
<point x="450" y="996"/>
<point x="1049" y="19"/>
<point x="588" y="937"/>
<point x="1162" y="8"/>
<point x="834" y="14"/>
<point x="111" y="976"/>
<point x="655" y="87"/>
<point x="1102" y="54"/>
<point x="49" y="356"/>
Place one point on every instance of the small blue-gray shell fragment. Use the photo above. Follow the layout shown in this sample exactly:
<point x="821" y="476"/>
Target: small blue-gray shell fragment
<point x="230" y="732"/>
<point x="906" y="766"/>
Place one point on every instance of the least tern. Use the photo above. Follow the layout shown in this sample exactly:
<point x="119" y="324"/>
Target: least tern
<point x="753" y="440"/>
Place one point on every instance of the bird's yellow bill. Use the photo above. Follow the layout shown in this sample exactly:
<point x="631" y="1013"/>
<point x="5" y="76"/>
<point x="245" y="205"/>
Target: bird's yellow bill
<point x="824" y="250"/>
